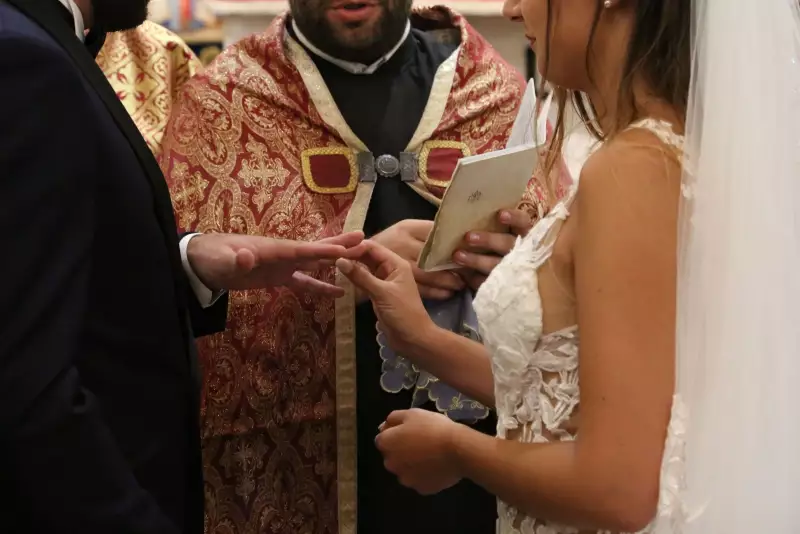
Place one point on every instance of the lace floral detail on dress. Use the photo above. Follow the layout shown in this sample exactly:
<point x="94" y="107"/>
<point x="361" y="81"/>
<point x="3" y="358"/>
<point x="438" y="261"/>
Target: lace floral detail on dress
<point x="548" y="394"/>
<point x="673" y="513"/>
<point x="662" y="130"/>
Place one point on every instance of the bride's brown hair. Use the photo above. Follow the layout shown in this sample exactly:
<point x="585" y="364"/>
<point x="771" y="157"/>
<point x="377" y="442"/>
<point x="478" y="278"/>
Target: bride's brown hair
<point x="659" y="52"/>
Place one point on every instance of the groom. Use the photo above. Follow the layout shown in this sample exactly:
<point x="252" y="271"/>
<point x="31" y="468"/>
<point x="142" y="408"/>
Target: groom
<point x="98" y="388"/>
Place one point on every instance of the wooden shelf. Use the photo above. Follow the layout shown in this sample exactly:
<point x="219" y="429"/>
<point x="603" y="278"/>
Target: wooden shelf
<point x="227" y="8"/>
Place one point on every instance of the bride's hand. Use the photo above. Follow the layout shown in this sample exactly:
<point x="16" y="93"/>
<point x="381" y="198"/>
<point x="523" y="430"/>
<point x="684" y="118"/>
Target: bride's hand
<point x="394" y="294"/>
<point x="418" y="447"/>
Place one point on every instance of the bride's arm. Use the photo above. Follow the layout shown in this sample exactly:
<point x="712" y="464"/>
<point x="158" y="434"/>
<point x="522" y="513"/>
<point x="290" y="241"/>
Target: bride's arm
<point x="458" y="361"/>
<point x="625" y="270"/>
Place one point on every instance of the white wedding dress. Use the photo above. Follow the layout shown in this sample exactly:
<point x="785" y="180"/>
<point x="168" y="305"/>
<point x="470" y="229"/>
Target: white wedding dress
<point x="536" y="373"/>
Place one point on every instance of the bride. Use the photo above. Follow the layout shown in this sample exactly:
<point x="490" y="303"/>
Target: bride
<point x="641" y="345"/>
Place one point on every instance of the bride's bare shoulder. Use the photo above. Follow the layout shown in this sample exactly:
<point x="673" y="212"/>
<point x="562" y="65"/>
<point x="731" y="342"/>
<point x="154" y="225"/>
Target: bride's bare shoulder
<point x="635" y="173"/>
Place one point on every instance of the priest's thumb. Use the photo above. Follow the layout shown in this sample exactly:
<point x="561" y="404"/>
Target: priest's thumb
<point x="359" y="276"/>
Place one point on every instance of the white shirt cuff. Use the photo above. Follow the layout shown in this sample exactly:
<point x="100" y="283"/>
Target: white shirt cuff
<point x="204" y="295"/>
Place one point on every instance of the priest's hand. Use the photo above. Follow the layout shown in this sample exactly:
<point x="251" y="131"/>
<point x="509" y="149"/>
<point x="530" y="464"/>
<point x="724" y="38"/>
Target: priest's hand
<point x="418" y="447"/>
<point x="406" y="239"/>
<point x="394" y="295"/>
<point x="235" y="261"/>
<point x="482" y="251"/>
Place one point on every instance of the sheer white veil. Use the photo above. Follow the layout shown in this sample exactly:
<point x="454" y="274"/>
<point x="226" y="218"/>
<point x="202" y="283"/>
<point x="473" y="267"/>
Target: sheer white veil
<point x="738" y="336"/>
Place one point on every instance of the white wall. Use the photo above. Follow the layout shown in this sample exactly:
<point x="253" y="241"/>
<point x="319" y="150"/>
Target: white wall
<point x="505" y="36"/>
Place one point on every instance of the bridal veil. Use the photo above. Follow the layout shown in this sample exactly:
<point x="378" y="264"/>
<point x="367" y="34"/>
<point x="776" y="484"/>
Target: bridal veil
<point x="738" y="330"/>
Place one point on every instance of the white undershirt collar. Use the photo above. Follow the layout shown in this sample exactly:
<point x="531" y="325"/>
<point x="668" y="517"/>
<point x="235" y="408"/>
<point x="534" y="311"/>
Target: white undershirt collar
<point x="350" y="66"/>
<point x="80" y="30"/>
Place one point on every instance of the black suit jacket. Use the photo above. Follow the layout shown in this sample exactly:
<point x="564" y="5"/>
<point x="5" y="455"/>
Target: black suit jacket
<point x="98" y="390"/>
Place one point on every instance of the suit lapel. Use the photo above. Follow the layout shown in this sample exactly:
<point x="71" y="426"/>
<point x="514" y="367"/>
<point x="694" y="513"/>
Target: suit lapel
<point x="47" y="15"/>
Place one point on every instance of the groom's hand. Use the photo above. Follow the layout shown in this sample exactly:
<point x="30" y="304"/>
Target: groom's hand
<point x="235" y="261"/>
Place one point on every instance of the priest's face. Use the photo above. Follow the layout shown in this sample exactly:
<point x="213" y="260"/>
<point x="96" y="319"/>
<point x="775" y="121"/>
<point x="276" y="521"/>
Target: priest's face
<point x="118" y="15"/>
<point x="352" y="30"/>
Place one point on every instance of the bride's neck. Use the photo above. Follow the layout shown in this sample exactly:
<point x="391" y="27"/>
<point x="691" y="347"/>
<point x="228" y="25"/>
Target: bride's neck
<point x="616" y="111"/>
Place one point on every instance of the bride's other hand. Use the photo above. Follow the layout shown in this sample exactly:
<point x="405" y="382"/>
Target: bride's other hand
<point x="482" y="251"/>
<point x="417" y="446"/>
<point x="393" y="292"/>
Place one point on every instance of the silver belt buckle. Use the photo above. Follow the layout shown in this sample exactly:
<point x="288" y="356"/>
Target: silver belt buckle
<point x="387" y="166"/>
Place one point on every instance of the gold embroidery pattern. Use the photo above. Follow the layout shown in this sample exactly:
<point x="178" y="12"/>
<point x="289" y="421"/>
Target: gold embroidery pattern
<point x="146" y="67"/>
<point x="438" y="99"/>
<point x="279" y="386"/>
<point x="426" y="151"/>
<point x="329" y="151"/>
<point x="482" y="81"/>
<point x="346" y="436"/>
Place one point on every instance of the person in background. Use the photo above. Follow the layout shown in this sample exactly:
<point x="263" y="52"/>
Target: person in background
<point x="342" y="115"/>
<point x="146" y="67"/>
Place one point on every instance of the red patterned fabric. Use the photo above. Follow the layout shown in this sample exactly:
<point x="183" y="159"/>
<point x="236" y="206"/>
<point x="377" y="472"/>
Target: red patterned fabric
<point x="232" y="156"/>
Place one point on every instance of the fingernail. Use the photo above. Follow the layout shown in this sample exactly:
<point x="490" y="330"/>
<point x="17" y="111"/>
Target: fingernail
<point x="505" y="217"/>
<point x="473" y="237"/>
<point x="344" y="266"/>
<point x="460" y="257"/>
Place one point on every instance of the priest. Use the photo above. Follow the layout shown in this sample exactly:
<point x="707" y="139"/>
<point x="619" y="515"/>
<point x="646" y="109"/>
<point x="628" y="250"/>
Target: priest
<point x="342" y="115"/>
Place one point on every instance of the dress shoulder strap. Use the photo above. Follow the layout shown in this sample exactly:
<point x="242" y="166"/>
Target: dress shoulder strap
<point x="661" y="129"/>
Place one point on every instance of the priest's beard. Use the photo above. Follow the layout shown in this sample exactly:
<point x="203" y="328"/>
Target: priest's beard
<point x="363" y="43"/>
<point x="118" y="15"/>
